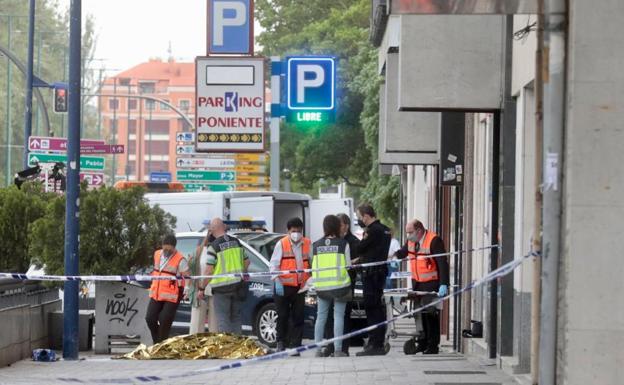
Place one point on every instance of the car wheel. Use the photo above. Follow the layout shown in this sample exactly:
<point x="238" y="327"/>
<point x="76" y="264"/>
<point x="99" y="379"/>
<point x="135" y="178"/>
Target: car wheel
<point x="266" y="325"/>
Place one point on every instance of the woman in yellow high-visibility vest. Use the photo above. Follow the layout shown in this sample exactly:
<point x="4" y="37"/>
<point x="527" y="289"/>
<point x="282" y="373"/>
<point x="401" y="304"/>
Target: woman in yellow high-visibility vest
<point x="332" y="284"/>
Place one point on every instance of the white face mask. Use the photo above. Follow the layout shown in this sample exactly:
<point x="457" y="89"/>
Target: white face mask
<point x="296" y="237"/>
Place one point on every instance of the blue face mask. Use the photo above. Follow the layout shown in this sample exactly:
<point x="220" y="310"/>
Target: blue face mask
<point x="167" y="253"/>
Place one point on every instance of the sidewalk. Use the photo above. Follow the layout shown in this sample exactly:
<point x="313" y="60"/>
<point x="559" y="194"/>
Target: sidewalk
<point x="393" y="369"/>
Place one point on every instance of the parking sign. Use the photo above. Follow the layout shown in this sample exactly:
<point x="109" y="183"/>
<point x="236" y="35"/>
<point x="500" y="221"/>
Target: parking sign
<point x="310" y="88"/>
<point x="230" y="27"/>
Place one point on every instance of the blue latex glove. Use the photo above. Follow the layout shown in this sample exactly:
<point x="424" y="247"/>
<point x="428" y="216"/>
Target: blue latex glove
<point x="279" y="288"/>
<point x="443" y="291"/>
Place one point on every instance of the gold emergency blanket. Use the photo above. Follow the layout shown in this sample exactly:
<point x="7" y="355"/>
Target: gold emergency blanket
<point x="198" y="346"/>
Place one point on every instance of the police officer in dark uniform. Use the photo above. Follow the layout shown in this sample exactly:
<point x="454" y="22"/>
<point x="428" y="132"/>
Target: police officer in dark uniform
<point x="373" y="248"/>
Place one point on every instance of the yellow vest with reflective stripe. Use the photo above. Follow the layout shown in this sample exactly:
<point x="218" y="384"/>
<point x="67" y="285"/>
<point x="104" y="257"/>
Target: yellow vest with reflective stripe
<point x="329" y="254"/>
<point x="230" y="260"/>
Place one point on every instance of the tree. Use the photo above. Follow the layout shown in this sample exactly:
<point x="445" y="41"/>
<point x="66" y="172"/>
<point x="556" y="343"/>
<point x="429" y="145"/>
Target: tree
<point x="18" y="210"/>
<point x="346" y="151"/>
<point x="119" y="231"/>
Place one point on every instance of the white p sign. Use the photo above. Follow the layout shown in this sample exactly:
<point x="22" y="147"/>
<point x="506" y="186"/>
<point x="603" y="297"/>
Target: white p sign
<point x="304" y="80"/>
<point x="230" y="29"/>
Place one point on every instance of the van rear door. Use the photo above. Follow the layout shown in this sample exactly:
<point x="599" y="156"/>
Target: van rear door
<point x="255" y="207"/>
<point x="319" y="208"/>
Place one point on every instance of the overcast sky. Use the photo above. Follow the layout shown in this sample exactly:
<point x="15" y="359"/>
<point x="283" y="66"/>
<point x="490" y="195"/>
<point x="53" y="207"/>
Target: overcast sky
<point x="130" y="32"/>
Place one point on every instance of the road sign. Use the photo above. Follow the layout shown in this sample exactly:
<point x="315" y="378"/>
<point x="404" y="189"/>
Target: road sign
<point x="227" y="176"/>
<point x="86" y="162"/>
<point x="251" y="179"/>
<point x="187" y="137"/>
<point x="251" y="168"/>
<point x="205" y="163"/>
<point x="47" y="143"/>
<point x="209" y="187"/>
<point x="230" y="104"/>
<point x="93" y="179"/>
<point x="252" y="188"/>
<point x="230" y="27"/>
<point x="185" y="149"/>
<point x="102" y="148"/>
<point x="160" y="177"/>
<point x="310" y="89"/>
<point x="251" y="157"/>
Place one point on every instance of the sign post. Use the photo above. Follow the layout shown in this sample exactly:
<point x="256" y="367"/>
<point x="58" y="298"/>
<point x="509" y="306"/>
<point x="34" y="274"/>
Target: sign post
<point x="230" y="104"/>
<point x="311" y="89"/>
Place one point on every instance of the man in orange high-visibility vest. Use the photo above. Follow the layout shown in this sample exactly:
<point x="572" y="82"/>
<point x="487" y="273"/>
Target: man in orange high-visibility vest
<point x="291" y="253"/>
<point x="428" y="274"/>
<point x="165" y="295"/>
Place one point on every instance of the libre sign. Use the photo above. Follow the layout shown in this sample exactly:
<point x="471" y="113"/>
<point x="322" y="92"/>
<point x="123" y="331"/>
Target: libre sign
<point x="311" y="89"/>
<point x="230" y="27"/>
<point x="230" y="104"/>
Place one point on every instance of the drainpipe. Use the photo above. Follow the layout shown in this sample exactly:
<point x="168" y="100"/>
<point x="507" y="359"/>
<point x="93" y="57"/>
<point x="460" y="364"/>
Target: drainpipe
<point x="554" y="122"/>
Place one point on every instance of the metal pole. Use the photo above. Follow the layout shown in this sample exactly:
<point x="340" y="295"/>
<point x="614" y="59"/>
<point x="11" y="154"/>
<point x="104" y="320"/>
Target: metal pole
<point x="38" y="74"/>
<point x="72" y="224"/>
<point x="493" y="287"/>
<point x="29" y="81"/>
<point x="99" y="120"/>
<point x="64" y="79"/>
<point x="128" y="133"/>
<point x="8" y="137"/>
<point x="537" y="226"/>
<point x="139" y="140"/>
<point x="554" y="114"/>
<point x="149" y="141"/>
<point x="114" y="130"/>
<point x="275" y="129"/>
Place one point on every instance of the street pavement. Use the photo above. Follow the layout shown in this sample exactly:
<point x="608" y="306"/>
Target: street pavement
<point x="447" y="368"/>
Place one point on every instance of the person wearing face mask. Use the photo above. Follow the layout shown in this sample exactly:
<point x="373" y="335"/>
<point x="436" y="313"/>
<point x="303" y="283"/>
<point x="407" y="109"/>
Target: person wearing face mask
<point x="165" y="295"/>
<point x="373" y="248"/>
<point x="291" y="253"/>
<point x="429" y="275"/>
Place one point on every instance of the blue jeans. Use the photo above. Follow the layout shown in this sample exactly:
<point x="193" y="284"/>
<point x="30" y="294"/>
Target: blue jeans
<point x="323" y="306"/>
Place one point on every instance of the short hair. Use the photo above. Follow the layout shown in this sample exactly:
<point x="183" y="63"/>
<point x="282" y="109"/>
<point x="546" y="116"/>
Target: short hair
<point x="170" y="240"/>
<point x="367" y="209"/>
<point x="418" y="225"/>
<point x="345" y="219"/>
<point x="294" y="222"/>
<point x="331" y="226"/>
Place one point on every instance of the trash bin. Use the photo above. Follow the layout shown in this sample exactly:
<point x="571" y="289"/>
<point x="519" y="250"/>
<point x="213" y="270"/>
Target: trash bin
<point x="86" y="321"/>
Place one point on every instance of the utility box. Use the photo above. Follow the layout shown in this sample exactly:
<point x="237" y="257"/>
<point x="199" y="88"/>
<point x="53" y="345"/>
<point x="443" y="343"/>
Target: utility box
<point x="120" y="316"/>
<point x="86" y="322"/>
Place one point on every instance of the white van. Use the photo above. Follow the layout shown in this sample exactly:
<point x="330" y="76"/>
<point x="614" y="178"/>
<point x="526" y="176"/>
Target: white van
<point x="276" y="208"/>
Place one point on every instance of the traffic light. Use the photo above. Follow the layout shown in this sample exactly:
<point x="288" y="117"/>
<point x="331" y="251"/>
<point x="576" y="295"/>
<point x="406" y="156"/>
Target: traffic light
<point x="60" y="99"/>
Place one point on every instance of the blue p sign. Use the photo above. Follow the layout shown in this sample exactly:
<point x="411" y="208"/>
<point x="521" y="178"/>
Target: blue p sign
<point x="230" y="27"/>
<point x="311" y="83"/>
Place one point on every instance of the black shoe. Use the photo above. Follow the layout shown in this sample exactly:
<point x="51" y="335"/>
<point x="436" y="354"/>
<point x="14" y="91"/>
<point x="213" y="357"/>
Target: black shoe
<point x="296" y="354"/>
<point x="434" y="350"/>
<point x="280" y="347"/>
<point x="372" y="352"/>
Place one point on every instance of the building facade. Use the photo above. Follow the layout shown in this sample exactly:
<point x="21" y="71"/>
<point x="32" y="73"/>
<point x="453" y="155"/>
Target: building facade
<point x="147" y="126"/>
<point x="477" y="80"/>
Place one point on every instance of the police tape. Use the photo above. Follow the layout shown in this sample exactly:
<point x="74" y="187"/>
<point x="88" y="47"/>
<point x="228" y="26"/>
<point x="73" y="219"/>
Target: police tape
<point x="141" y="278"/>
<point x="495" y="274"/>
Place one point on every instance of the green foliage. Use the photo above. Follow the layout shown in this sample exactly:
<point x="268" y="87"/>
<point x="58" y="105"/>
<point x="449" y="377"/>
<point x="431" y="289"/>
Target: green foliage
<point x="346" y="151"/>
<point x="119" y="231"/>
<point x="18" y="210"/>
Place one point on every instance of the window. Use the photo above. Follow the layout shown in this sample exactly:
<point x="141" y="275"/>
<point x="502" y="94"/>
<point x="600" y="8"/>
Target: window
<point x="132" y="104"/>
<point x="147" y="87"/>
<point x="157" y="147"/>
<point x="165" y="107"/>
<point x="150" y="105"/>
<point x="256" y="265"/>
<point x="185" y="105"/>
<point x="113" y="104"/>
<point x="132" y="126"/>
<point x="157" y="127"/>
<point x="187" y="246"/>
<point x="155" y="165"/>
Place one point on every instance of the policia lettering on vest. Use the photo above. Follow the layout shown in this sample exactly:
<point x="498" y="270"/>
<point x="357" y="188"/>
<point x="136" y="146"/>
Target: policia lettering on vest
<point x="429" y="275"/>
<point x="165" y="295"/>
<point x="226" y="256"/>
<point x="291" y="253"/>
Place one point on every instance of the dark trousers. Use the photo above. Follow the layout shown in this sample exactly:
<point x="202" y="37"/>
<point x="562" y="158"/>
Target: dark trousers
<point x="159" y="317"/>
<point x="374" y="283"/>
<point x="290" y="318"/>
<point x="431" y="328"/>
